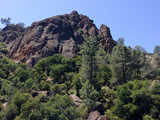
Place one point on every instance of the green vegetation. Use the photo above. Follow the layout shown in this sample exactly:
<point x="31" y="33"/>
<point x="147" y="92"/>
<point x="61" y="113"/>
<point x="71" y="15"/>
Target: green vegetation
<point x="123" y="85"/>
<point x="6" y="21"/>
<point x="3" y="48"/>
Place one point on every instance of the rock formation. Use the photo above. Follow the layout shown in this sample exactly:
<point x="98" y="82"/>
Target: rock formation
<point x="10" y="33"/>
<point x="59" y="34"/>
<point x="95" y="115"/>
<point x="76" y="100"/>
<point x="106" y="40"/>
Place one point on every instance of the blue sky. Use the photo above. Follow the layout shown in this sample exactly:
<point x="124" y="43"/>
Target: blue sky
<point x="137" y="21"/>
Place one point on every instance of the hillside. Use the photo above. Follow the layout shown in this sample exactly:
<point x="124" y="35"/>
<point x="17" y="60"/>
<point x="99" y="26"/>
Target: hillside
<point x="64" y="68"/>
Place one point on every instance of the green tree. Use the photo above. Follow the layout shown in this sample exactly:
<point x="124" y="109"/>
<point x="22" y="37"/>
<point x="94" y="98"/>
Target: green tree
<point x="21" y="24"/>
<point x="6" y="21"/>
<point x="21" y="73"/>
<point x="156" y="56"/>
<point x="136" y="64"/>
<point x="104" y="75"/>
<point x="146" y="67"/>
<point x="19" y="99"/>
<point x="89" y="95"/>
<point x="10" y="112"/>
<point x="59" y="107"/>
<point x="139" y="48"/>
<point x="140" y="65"/>
<point x="120" y="61"/>
<point x="29" y="106"/>
<point x="89" y="80"/>
<point x="120" y="41"/>
<point x="133" y="100"/>
<point x="156" y="50"/>
<point x="89" y="62"/>
<point x="3" y="48"/>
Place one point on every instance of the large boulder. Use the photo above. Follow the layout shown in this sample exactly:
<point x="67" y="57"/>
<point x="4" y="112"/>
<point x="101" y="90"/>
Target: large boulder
<point x="76" y="100"/>
<point x="102" y="117"/>
<point x="153" y="83"/>
<point x="94" y="115"/>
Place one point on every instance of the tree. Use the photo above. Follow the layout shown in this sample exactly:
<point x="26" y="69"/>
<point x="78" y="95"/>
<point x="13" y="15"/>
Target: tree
<point x="89" y="79"/>
<point x="3" y="48"/>
<point x="59" y="107"/>
<point x="21" y="24"/>
<point x="145" y="65"/>
<point x="133" y="100"/>
<point x="157" y="60"/>
<point x="6" y="21"/>
<point x="89" y="62"/>
<point x="89" y="95"/>
<point x="19" y="99"/>
<point x="136" y="64"/>
<point x="120" y="61"/>
<point x="21" y="73"/>
<point x="156" y="56"/>
<point x="10" y="112"/>
<point x="157" y="49"/>
<point x="140" y="49"/>
<point x="140" y="65"/>
<point x="120" y="41"/>
<point x="30" y="105"/>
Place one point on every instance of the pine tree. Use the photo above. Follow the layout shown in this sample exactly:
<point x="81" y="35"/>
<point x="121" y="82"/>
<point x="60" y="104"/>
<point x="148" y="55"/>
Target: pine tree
<point x="140" y="64"/>
<point x="157" y="56"/>
<point x="89" y="95"/>
<point x="136" y="64"/>
<point x="88" y="92"/>
<point x="89" y="62"/>
<point x="157" y="49"/>
<point x="145" y="65"/>
<point x="120" y="41"/>
<point x="120" y="60"/>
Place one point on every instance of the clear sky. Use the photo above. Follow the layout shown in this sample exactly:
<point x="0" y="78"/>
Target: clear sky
<point x="137" y="21"/>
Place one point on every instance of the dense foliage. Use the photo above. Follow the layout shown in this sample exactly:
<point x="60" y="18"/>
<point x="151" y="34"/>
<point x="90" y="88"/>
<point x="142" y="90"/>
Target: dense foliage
<point x="123" y="85"/>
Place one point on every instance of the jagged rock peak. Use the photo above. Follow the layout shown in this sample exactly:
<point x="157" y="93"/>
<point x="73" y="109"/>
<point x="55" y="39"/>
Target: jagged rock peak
<point x="105" y="31"/>
<point x="58" y="34"/>
<point x="75" y="12"/>
<point x="106" y="40"/>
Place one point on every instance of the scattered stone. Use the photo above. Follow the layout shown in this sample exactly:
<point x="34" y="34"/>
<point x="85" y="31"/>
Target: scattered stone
<point x="35" y="93"/>
<point x="106" y="87"/>
<point x="94" y="115"/>
<point x="5" y="104"/>
<point x="102" y="117"/>
<point x="76" y="100"/>
<point x="153" y="82"/>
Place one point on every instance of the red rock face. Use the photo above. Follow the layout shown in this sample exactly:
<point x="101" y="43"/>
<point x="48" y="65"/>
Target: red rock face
<point x="59" y="34"/>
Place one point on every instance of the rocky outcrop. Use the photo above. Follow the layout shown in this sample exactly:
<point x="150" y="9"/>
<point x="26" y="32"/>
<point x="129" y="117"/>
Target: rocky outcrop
<point x="35" y="93"/>
<point x="95" y="115"/>
<point x="59" y="34"/>
<point x="153" y="83"/>
<point x="76" y="100"/>
<point x="106" y="40"/>
<point x="10" y="33"/>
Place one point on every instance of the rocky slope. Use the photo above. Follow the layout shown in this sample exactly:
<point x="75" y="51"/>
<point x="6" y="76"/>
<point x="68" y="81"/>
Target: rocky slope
<point x="59" y="34"/>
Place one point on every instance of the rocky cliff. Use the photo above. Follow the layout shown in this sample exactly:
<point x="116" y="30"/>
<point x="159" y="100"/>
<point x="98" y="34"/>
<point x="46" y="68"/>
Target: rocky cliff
<point x="59" y="34"/>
